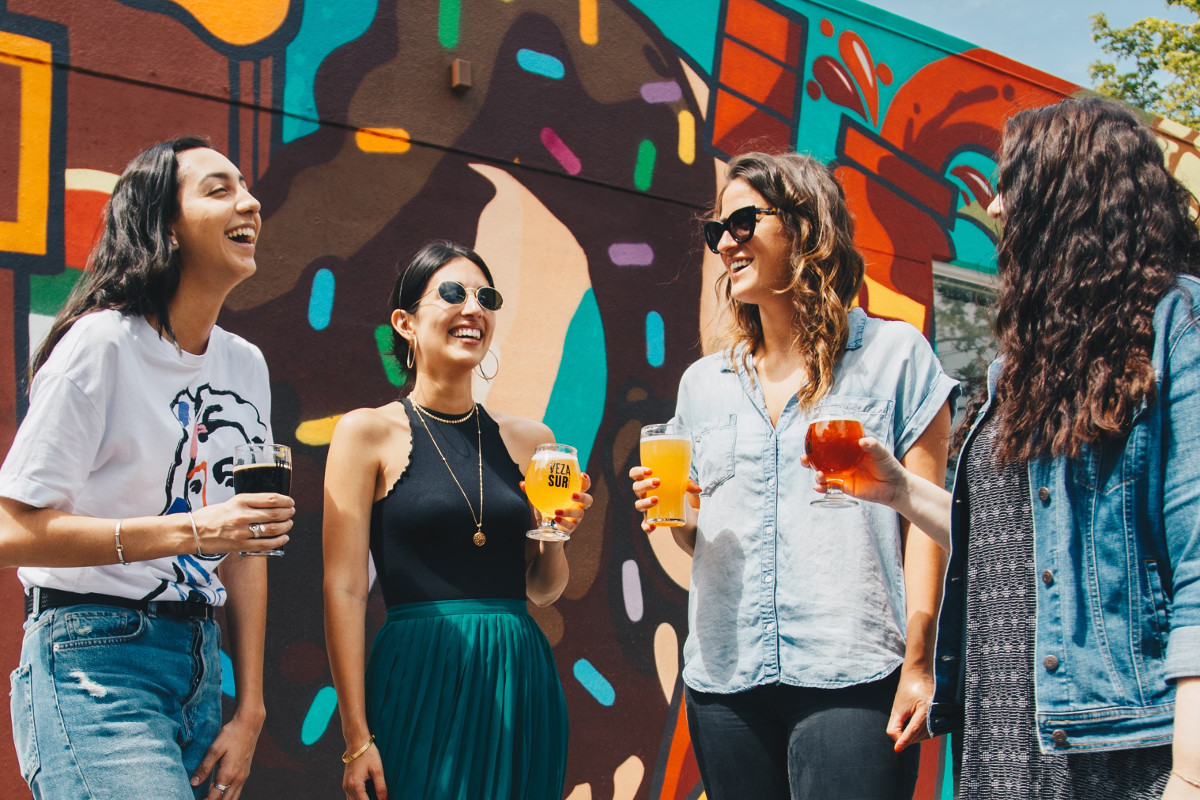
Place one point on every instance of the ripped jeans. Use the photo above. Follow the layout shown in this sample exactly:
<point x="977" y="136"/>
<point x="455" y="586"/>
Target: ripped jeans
<point x="115" y="703"/>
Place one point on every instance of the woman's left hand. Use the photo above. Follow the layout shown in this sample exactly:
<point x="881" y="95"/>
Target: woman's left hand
<point x="228" y="759"/>
<point x="569" y="518"/>
<point x="906" y="726"/>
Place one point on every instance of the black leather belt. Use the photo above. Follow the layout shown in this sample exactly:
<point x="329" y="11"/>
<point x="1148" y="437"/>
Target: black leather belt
<point x="40" y="600"/>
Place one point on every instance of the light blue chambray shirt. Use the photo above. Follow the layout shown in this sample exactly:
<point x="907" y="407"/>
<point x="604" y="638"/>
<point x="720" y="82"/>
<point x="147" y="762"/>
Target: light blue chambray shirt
<point x="783" y="591"/>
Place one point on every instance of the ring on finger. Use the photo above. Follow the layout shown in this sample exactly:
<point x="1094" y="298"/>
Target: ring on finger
<point x="223" y="787"/>
<point x="256" y="529"/>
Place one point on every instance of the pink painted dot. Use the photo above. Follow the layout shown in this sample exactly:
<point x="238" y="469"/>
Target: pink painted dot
<point x="558" y="148"/>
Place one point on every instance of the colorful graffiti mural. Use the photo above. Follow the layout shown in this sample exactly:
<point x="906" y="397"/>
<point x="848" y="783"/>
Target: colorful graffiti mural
<point x="576" y="164"/>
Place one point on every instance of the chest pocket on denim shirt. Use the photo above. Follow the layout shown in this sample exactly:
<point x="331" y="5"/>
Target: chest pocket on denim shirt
<point x="875" y="414"/>
<point x="1108" y="465"/>
<point x="713" y="452"/>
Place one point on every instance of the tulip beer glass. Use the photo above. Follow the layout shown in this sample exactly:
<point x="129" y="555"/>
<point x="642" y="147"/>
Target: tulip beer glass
<point x="832" y="447"/>
<point x="551" y="480"/>
<point x="262" y="468"/>
<point x="667" y="453"/>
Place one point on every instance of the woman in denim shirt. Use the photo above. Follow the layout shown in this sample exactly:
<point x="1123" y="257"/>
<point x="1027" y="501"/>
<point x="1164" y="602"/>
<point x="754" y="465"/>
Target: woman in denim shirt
<point x="809" y="653"/>
<point x="1069" y="639"/>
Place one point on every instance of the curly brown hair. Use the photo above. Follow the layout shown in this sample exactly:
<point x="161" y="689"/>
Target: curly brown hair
<point x="826" y="266"/>
<point x="1095" y="233"/>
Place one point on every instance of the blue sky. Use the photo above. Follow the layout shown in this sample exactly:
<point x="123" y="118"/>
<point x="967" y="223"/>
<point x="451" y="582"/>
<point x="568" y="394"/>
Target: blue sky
<point x="1052" y="35"/>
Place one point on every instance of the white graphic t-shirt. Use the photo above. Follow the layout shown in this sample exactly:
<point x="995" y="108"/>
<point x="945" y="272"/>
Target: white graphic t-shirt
<point x="121" y="424"/>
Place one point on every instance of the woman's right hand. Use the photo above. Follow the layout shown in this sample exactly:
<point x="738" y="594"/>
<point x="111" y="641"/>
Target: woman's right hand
<point x="367" y="767"/>
<point x="225" y="527"/>
<point x="644" y="483"/>
<point x="879" y="477"/>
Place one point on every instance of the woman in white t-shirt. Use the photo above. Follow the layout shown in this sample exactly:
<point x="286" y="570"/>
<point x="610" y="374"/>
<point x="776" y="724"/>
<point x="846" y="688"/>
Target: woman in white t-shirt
<point x="116" y="501"/>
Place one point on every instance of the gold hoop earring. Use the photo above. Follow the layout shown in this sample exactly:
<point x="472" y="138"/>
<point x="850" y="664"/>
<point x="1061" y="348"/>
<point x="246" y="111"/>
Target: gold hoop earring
<point x="479" y="366"/>
<point x="410" y="356"/>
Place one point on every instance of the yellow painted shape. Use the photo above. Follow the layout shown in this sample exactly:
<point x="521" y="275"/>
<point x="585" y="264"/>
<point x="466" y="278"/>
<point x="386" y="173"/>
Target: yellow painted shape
<point x="90" y="180"/>
<point x="542" y="271"/>
<point x="382" y="140"/>
<point x="890" y="303"/>
<point x="582" y="791"/>
<point x="687" y="136"/>
<point x="627" y="778"/>
<point x="666" y="658"/>
<point x="238" y="22"/>
<point x="27" y="234"/>
<point x="589" y="22"/>
<point x="317" y="432"/>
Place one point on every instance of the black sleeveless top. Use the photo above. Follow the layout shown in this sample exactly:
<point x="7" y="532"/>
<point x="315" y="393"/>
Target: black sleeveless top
<point x="422" y="531"/>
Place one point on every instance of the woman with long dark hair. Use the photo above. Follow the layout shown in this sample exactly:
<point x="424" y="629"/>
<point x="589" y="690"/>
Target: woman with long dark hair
<point x="808" y="657"/>
<point x="460" y="698"/>
<point x="1069" y="639"/>
<point x="116" y="501"/>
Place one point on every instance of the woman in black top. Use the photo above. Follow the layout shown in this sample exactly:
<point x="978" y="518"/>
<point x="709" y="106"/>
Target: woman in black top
<point x="460" y="698"/>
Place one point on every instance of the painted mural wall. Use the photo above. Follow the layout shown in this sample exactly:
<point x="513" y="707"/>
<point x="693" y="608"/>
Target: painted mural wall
<point x="576" y="164"/>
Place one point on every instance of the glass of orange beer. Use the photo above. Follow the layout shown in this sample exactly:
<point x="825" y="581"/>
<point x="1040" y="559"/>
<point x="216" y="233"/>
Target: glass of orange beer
<point x="667" y="452"/>
<point x="551" y="480"/>
<point x="832" y="447"/>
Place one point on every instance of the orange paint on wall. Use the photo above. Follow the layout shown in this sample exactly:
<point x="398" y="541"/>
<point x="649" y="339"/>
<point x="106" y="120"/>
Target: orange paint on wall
<point x="238" y="22"/>
<point x="83" y="220"/>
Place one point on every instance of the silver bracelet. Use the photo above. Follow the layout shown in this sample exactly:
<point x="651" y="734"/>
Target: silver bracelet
<point x="1186" y="779"/>
<point x="120" y="549"/>
<point x="195" y="534"/>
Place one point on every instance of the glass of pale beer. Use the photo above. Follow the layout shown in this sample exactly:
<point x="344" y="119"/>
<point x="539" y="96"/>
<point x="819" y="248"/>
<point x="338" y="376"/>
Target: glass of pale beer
<point x="832" y="448"/>
<point x="551" y="481"/>
<point x="667" y="453"/>
<point x="259" y="467"/>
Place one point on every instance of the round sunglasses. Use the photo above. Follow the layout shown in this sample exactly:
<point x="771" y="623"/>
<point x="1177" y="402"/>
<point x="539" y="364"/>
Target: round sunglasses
<point x="455" y="294"/>
<point x="740" y="225"/>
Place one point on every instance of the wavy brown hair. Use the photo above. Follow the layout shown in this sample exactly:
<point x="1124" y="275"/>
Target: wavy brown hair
<point x="1095" y="233"/>
<point x="826" y="267"/>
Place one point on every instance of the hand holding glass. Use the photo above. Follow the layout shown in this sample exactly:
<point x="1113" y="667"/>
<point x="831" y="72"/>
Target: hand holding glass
<point x="667" y="452"/>
<point x="832" y="447"/>
<point x="552" y="480"/>
<point x="262" y="468"/>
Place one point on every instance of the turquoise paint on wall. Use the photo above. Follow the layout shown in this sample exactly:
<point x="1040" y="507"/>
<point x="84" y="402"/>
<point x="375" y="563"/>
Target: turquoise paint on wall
<point x="656" y="339"/>
<point x="577" y="401"/>
<point x="325" y="27"/>
<point x="316" y="721"/>
<point x="320" y="300"/>
<point x="694" y="31"/>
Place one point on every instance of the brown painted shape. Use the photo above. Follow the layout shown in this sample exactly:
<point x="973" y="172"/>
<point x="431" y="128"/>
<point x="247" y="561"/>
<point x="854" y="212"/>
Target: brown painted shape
<point x="10" y="140"/>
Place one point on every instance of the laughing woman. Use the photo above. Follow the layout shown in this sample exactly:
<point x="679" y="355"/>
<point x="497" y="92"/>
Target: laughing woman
<point x="116" y="501"/>
<point x="461" y="698"/>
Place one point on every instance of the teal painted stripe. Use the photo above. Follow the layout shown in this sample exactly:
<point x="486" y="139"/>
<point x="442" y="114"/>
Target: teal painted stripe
<point x="383" y="342"/>
<point x="576" y="403"/>
<point x="947" y="789"/>
<point x="320" y="300"/>
<point x="316" y="721"/>
<point x="596" y="684"/>
<point x="542" y="64"/>
<point x="449" y="16"/>
<point x="643" y="170"/>
<point x="656" y="339"/>
<point x="228" y="687"/>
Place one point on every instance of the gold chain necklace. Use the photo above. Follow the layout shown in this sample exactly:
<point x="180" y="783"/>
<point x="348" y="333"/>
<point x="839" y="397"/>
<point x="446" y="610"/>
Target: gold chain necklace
<point x="431" y="415"/>
<point x="479" y="539"/>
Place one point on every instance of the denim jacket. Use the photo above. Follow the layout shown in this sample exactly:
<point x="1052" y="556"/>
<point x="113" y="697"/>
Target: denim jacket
<point x="783" y="591"/>
<point x="1117" y="552"/>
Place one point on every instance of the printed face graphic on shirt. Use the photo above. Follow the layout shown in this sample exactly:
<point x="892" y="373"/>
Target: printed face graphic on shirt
<point x="212" y="422"/>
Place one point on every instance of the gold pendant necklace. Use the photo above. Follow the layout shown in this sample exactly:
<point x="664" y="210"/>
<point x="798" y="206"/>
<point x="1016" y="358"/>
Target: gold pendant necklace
<point x="479" y="539"/>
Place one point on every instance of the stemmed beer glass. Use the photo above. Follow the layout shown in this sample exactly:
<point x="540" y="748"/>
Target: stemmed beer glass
<point x="832" y="447"/>
<point x="551" y="481"/>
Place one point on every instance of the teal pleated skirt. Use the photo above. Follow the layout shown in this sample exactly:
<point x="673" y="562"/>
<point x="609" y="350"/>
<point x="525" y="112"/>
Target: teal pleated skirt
<point x="465" y="702"/>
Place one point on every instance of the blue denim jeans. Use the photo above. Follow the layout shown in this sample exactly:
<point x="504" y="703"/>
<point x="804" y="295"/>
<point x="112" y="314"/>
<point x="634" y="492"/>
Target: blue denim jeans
<point x="115" y="703"/>
<point x="778" y="742"/>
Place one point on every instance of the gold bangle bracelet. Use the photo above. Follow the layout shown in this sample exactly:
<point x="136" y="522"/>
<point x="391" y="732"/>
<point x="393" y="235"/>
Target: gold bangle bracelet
<point x="347" y="756"/>
<point x="120" y="548"/>
<point x="1186" y="779"/>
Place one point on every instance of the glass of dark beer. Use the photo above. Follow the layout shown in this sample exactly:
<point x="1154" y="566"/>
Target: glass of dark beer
<point x="261" y="467"/>
<point x="832" y="447"/>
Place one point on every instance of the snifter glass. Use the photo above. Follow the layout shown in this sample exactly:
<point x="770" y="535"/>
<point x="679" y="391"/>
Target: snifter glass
<point x="832" y="447"/>
<point x="260" y="467"/>
<point x="551" y="482"/>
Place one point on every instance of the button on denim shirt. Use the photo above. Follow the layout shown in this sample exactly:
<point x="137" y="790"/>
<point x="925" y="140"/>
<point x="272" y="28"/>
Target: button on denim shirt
<point x="1117" y="565"/>
<point x="783" y="591"/>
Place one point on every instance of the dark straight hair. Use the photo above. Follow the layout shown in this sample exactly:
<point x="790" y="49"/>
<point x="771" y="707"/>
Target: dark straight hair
<point x="411" y="285"/>
<point x="132" y="269"/>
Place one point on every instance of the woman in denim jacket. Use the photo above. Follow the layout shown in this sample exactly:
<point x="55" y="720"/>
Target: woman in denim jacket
<point x="1069" y="638"/>
<point x="808" y="661"/>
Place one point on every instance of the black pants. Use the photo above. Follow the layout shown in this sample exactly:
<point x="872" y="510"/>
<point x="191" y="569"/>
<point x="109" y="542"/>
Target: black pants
<point x="788" y="743"/>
